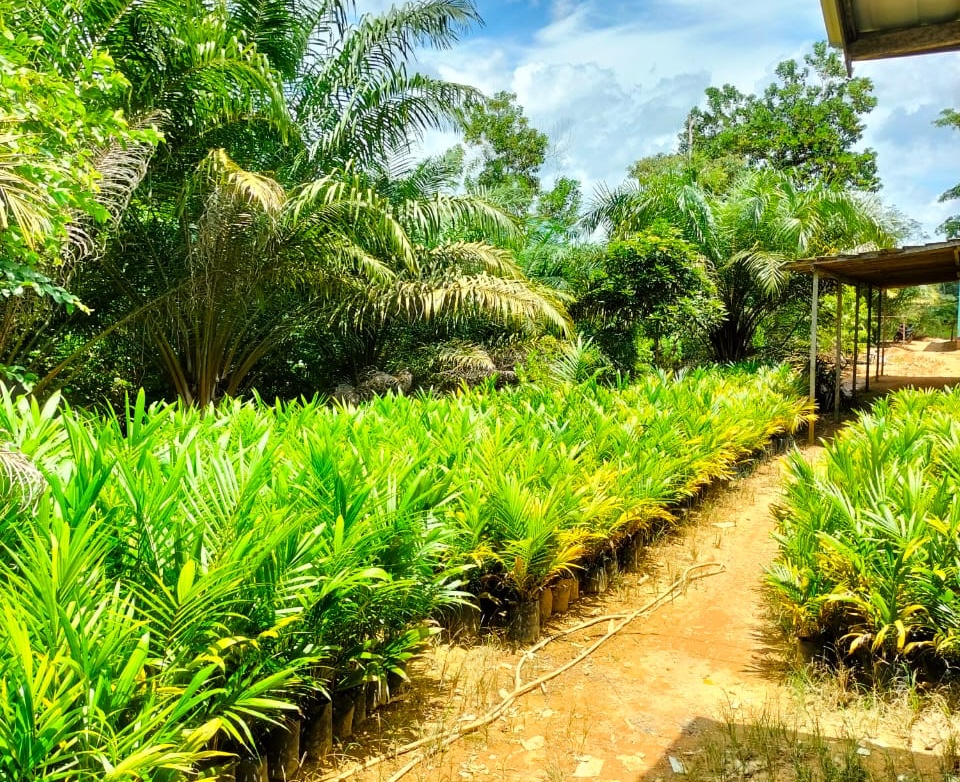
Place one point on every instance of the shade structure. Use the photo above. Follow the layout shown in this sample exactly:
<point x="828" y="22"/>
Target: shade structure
<point x="873" y="29"/>
<point x="902" y="267"/>
<point x="875" y="270"/>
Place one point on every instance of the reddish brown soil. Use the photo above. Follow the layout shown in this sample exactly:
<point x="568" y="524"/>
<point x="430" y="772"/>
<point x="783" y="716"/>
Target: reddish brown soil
<point x="712" y="656"/>
<point x="921" y="363"/>
<point x="664" y="678"/>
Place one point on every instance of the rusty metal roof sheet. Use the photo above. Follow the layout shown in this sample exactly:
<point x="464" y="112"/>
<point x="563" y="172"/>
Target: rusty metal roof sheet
<point x="897" y="268"/>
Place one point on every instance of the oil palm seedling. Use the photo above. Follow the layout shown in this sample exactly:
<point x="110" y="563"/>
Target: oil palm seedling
<point x="178" y="584"/>
<point x="868" y="536"/>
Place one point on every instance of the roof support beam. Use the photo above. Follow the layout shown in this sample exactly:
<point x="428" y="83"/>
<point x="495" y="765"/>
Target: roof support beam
<point x="892" y="268"/>
<point x="869" y="332"/>
<point x="839" y="354"/>
<point x="924" y="39"/>
<point x="881" y="353"/>
<point x="856" y="345"/>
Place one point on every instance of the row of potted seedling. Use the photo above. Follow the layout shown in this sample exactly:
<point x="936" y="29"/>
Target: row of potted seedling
<point x="226" y="567"/>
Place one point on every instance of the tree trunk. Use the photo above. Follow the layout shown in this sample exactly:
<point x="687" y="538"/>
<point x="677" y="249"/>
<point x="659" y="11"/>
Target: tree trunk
<point x="731" y="340"/>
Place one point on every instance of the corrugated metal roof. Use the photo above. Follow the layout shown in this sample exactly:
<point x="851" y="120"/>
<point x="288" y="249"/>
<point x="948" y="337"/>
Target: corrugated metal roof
<point x="871" y="16"/>
<point x="902" y="267"/>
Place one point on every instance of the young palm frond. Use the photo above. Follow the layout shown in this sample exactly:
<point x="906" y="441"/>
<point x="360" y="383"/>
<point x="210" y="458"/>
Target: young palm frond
<point x="579" y="362"/>
<point x="868" y="536"/>
<point x="355" y="99"/>
<point x="432" y="215"/>
<point x="22" y="483"/>
<point x="676" y="197"/>
<point x="611" y="209"/>
<point x="399" y="181"/>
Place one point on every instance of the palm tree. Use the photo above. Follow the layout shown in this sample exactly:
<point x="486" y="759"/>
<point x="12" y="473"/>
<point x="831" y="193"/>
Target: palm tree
<point x="747" y="232"/>
<point x="462" y="273"/>
<point x="179" y="66"/>
<point x="256" y="263"/>
<point x="303" y="89"/>
<point x="352" y="97"/>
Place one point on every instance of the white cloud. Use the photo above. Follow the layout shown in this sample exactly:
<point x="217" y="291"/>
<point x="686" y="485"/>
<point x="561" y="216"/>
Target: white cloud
<point x="613" y="86"/>
<point x="612" y="80"/>
<point x="917" y="160"/>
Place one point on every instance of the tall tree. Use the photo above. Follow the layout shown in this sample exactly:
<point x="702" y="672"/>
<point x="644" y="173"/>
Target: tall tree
<point x="247" y="265"/>
<point x="950" y="118"/>
<point x="652" y="284"/>
<point x="68" y="161"/>
<point x="808" y="122"/>
<point x="512" y="150"/>
<point x="325" y="100"/>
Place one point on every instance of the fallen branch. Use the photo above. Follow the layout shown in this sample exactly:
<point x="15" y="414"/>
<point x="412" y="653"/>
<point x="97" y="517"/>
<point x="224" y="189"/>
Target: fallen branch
<point x="528" y="654"/>
<point x="443" y="739"/>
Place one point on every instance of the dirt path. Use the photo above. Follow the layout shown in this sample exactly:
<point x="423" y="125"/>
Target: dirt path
<point x="622" y="712"/>
<point x="640" y="706"/>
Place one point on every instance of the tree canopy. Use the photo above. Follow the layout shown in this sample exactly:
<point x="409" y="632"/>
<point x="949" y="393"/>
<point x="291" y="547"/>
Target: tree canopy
<point x="651" y="283"/>
<point x="56" y="136"/>
<point x="512" y="150"/>
<point x="950" y="118"/>
<point x="226" y="197"/>
<point x="249" y="161"/>
<point x="808" y="122"/>
<point x="748" y="231"/>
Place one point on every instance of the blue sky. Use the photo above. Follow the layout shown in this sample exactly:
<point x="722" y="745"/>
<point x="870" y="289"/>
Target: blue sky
<point x="612" y="80"/>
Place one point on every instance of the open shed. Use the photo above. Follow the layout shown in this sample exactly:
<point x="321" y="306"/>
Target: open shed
<point x="867" y="272"/>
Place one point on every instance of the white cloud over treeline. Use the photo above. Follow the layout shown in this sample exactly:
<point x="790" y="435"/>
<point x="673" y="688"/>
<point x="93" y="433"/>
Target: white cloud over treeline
<point x="613" y="80"/>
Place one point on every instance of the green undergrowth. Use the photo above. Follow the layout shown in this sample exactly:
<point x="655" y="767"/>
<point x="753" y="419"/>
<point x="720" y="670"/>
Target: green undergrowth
<point x="174" y="581"/>
<point x="869" y="564"/>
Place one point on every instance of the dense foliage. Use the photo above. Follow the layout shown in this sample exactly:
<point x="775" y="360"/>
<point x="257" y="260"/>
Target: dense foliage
<point x="869" y="560"/>
<point x="56" y="133"/>
<point x="337" y="244"/>
<point x="173" y="579"/>
<point x="809" y="122"/>
<point x="748" y="227"/>
<point x="950" y="118"/>
<point x="653" y="285"/>
<point x="225" y="197"/>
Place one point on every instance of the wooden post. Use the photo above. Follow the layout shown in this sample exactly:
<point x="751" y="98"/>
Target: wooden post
<point x="879" y="330"/>
<point x="813" y="353"/>
<point x="856" y="343"/>
<point x="869" y="332"/>
<point x="956" y="334"/>
<point x="839" y="353"/>
<point x="883" y="345"/>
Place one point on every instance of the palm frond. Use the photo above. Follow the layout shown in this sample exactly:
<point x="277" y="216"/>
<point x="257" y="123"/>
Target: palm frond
<point x="430" y="217"/>
<point x="516" y="302"/>
<point x="23" y="201"/>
